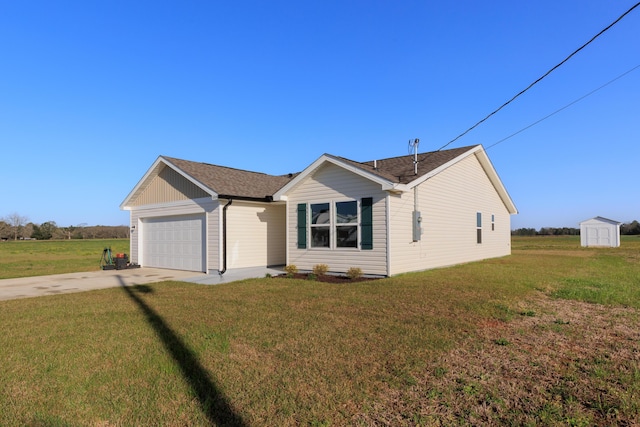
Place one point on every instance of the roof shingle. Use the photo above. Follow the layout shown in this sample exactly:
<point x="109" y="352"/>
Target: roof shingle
<point x="226" y="181"/>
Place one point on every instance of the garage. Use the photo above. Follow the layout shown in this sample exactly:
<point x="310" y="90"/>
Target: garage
<point x="174" y="242"/>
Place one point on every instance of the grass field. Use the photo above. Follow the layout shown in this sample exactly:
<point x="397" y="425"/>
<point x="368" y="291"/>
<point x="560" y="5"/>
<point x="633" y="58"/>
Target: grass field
<point x="547" y="336"/>
<point x="25" y="258"/>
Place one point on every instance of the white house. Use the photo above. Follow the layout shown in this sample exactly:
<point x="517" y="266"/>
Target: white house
<point x="385" y="217"/>
<point x="600" y="231"/>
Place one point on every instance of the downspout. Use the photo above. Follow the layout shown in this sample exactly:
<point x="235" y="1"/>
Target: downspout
<point x="224" y="238"/>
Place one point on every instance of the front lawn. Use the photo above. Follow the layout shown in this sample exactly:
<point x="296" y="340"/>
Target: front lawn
<point x="547" y="336"/>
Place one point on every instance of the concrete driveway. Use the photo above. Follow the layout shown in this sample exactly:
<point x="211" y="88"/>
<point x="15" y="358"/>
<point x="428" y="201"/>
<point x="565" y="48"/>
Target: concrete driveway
<point x="26" y="287"/>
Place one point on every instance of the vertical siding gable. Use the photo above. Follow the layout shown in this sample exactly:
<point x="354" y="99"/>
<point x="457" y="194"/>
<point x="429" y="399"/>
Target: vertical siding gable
<point x="168" y="186"/>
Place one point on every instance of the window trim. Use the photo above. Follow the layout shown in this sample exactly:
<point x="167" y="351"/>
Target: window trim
<point x="316" y="226"/>
<point x="333" y="225"/>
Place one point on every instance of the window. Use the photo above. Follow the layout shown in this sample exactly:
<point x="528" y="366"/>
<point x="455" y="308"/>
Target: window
<point x="334" y="225"/>
<point x="320" y="225"/>
<point x="479" y="227"/>
<point x="493" y="222"/>
<point x="347" y="224"/>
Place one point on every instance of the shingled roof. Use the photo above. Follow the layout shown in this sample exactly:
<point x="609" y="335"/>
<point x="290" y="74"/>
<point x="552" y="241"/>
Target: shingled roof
<point x="401" y="169"/>
<point x="230" y="182"/>
<point x="226" y="181"/>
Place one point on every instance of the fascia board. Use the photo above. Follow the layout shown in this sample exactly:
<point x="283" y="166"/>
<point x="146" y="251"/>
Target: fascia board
<point x="484" y="160"/>
<point x="326" y="158"/>
<point x="151" y="173"/>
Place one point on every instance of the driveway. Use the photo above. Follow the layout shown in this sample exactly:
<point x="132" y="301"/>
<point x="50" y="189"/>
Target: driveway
<point x="26" y="287"/>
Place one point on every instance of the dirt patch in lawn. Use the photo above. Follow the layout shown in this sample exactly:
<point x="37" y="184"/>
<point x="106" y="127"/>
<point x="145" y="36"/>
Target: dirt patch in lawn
<point x="556" y="362"/>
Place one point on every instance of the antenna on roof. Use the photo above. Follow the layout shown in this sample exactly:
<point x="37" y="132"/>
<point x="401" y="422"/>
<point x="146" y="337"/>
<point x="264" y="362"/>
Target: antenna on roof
<point x="413" y="144"/>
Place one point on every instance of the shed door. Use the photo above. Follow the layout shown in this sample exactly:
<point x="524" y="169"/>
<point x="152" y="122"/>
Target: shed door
<point x="598" y="236"/>
<point x="174" y="242"/>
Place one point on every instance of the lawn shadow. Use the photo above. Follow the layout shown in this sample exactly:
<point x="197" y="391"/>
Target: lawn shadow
<point x="213" y="402"/>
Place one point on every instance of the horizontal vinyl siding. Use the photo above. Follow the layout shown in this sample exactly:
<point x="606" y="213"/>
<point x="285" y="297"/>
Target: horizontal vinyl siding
<point x="189" y="207"/>
<point x="448" y="204"/>
<point x="328" y="184"/>
<point x="255" y="234"/>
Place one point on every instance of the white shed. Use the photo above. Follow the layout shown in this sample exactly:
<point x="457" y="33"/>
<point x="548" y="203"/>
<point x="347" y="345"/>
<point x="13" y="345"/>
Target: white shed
<point x="600" y="231"/>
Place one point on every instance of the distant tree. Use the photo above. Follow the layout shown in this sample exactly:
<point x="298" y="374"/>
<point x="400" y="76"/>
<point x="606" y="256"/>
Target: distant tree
<point x="16" y="223"/>
<point x="524" y="232"/>
<point x="26" y="231"/>
<point x="44" y="231"/>
<point x="5" y="230"/>
<point x="632" y="228"/>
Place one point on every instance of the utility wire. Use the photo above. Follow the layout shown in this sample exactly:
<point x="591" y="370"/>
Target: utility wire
<point x="565" y="107"/>
<point x="541" y="77"/>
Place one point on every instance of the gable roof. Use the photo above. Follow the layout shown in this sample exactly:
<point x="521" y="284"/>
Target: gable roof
<point x="225" y="181"/>
<point x="601" y="219"/>
<point x="393" y="174"/>
<point x="397" y="174"/>
<point x="401" y="169"/>
<point x="217" y="181"/>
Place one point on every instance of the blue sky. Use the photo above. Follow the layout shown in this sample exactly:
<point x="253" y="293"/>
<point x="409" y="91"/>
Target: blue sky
<point x="91" y="93"/>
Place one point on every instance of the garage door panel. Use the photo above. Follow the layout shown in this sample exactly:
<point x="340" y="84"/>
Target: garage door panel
<point x="174" y="242"/>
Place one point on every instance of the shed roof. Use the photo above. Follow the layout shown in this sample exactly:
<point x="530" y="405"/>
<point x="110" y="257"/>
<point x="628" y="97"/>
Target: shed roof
<point x="600" y="219"/>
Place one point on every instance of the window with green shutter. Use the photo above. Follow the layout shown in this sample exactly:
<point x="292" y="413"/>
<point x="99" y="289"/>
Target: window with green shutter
<point x="366" y="213"/>
<point x="302" y="226"/>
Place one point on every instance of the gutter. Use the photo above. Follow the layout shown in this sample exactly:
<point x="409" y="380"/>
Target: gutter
<point x="224" y="237"/>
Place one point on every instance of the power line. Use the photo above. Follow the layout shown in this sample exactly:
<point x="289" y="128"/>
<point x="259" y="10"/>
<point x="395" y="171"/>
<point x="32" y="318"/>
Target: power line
<point x="541" y="77"/>
<point x="563" y="108"/>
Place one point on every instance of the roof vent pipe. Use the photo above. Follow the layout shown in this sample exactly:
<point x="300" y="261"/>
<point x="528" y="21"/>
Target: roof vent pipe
<point x="413" y="144"/>
<point x="375" y="164"/>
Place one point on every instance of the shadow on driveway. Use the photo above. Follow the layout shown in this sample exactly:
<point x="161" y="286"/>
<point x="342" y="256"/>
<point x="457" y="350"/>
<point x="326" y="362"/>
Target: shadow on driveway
<point x="212" y="401"/>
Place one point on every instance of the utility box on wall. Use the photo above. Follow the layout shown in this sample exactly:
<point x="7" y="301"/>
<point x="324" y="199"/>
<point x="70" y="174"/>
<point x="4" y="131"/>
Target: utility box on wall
<point x="417" y="226"/>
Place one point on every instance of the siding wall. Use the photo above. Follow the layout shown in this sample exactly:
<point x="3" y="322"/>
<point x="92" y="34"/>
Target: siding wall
<point x="448" y="204"/>
<point x="204" y="206"/>
<point x="331" y="183"/>
<point x="168" y="186"/>
<point x="255" y="234"/>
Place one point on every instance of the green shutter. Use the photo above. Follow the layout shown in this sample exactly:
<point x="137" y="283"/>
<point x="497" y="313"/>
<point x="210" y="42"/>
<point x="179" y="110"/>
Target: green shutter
<point x="302" y="226"/>
<point x="366" y="212"/>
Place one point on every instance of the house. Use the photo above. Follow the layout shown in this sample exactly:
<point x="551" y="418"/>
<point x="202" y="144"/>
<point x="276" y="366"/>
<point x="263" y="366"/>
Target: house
<point x="600" y="231"/>
<point x="386" y="217"/>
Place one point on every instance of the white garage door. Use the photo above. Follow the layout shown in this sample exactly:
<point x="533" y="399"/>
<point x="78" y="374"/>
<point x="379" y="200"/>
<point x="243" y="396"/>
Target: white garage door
<point x="174" y="242"/>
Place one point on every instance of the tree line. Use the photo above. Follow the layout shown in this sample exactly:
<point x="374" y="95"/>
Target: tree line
<point x="629" y="228"/>
<point x="18" y="227"/>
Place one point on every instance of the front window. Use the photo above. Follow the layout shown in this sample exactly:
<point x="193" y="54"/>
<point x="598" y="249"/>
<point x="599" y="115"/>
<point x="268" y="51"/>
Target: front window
<point x="347" y="224"/>
<point x="334" y="225"/>
<point x="320" y="225"/>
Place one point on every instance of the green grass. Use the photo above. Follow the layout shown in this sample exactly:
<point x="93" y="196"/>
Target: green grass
<point x="37" y="258"/>
<point x="508" y="341"/>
